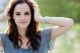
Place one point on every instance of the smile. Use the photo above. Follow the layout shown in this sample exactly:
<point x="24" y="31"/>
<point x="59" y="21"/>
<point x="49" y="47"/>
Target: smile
<point x="22" y="22"/>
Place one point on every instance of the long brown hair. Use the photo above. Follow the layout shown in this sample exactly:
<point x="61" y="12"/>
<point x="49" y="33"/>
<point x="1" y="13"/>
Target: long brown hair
<point x="32" y="31"/>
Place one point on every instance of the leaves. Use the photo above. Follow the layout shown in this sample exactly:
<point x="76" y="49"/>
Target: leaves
<point x="66" y="8"/>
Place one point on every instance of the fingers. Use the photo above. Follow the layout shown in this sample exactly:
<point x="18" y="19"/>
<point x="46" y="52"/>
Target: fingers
<point x="6" y="13"/>
<point x="7" y="10"/>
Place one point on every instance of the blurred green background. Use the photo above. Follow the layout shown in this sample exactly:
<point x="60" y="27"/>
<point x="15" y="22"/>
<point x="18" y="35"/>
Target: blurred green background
<point x="68" y="42"/>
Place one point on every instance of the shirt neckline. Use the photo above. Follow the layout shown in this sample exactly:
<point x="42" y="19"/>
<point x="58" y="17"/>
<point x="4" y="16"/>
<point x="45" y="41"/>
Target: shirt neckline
<point x="26" y="48"/>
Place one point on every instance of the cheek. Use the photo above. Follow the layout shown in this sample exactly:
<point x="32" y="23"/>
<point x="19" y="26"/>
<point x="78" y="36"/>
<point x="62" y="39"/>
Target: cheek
<point x="16" y="19"/>
<point x="28" y="18"/>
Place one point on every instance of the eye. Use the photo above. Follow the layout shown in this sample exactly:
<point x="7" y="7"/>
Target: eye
<point x="26" y="13"/>
<point x="17" y="13"/>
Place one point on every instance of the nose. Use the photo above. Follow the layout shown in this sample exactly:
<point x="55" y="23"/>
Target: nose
<point x="22" y="17"/>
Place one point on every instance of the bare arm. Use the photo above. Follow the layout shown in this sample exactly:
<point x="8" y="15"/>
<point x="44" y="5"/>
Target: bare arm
<point x="1" y="17"/>
<point x="62" y="25"/>
<point x="4" y="15"/>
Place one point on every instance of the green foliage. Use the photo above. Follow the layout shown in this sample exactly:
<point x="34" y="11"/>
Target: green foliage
<point x="70" y="41"/>
<point x="63" y="8"/>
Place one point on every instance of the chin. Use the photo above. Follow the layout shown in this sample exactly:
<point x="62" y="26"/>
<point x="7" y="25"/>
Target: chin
<point x="22" y="26"/>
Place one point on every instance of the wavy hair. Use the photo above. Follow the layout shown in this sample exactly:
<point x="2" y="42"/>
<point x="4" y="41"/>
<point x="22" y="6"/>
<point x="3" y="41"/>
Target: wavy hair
<point x="32" y="32"/>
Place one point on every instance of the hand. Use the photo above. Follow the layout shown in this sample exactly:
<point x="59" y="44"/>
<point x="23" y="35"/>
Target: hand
<point x="37" y="14"/>
<point x="6" y="14"/>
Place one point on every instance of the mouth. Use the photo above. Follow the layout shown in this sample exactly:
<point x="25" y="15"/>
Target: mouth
<point x="22" y="22"/>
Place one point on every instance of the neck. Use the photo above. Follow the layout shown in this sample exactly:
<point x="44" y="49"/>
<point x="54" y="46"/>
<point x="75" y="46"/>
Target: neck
<point x="22" y="32"/>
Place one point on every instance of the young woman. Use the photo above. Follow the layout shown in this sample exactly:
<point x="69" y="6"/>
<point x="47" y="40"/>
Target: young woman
<point x="23" y="35"/>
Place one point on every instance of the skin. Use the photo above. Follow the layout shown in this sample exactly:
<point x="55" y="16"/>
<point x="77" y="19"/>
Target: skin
<point x="61" y="24"/>
<point x="22" y="17"/>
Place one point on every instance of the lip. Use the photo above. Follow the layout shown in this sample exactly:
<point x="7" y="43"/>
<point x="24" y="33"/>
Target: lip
<point x="22" y="22"/>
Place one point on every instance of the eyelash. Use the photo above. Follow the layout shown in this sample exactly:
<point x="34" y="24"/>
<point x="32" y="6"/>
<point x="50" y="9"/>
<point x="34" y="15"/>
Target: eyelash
<point x="17" y="14"/>
<point x="25" y="14"/>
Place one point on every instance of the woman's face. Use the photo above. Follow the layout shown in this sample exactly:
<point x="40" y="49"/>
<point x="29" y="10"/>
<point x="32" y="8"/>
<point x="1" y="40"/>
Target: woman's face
<point x="22" y="15"/>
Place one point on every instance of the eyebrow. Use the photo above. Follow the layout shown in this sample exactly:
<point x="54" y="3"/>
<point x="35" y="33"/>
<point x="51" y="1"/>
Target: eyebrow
<point x="19" y="12"/>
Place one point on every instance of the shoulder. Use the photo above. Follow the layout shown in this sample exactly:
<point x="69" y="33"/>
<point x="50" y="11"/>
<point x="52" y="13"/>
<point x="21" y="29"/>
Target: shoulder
<point x="45" y="30"/>
<point x="46" y="34"/>
<point x="3" y="36"/>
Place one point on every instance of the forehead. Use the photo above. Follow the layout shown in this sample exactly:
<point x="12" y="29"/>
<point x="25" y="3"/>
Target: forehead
<point x="22" y="7"/>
